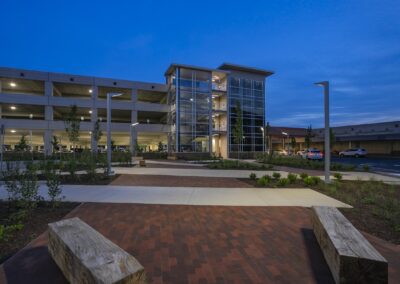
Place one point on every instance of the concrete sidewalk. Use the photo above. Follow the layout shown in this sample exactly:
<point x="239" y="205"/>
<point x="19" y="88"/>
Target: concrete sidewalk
<point x="193" y="195"/>
<point x="204" y="172"/>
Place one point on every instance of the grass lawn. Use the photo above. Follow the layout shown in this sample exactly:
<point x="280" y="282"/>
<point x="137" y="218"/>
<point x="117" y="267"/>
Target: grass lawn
<point x="376" y="204"/>
<point x="29" y="227"/>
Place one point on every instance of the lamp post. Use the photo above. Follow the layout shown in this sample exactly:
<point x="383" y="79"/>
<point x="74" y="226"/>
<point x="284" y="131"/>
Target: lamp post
<point x="30" y="135"/>
<point x="133" y="125"/>
<point x="325" y="84"/>
<point x="109" y="96"/>
<point x="263" y="134"/>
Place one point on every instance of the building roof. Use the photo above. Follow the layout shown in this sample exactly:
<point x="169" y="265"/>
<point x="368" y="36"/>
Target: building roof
<point x="172" y="67"/>
<point x="230" y="66"/>
<point x="291" y="131"/>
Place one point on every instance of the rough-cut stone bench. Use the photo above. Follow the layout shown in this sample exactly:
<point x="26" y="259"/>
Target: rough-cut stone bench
<point x="86" y="256"/>
<point x="350" y="257"/>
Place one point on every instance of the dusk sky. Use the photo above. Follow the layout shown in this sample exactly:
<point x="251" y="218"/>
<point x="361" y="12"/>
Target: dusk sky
<point x="353" y="44"/>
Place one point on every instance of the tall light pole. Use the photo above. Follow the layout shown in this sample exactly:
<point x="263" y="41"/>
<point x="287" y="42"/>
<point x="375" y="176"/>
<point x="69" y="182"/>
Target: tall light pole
<point x="109" y="96"/>
<point x="133" y="125"/>
<point x="262" y="130"/>
<point x="325" y="84"/>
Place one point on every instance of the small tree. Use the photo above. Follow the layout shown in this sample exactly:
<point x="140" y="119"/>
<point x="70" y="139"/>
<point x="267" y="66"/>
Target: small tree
<point x="238" y="129"/>
<point x="160" y="146"/>
<point x="307" y="138"/>
<point x="72" y="125"/>
<point x="22" y="144"/>
<point x="55" y="143"/>
<point x="96" y="132"/>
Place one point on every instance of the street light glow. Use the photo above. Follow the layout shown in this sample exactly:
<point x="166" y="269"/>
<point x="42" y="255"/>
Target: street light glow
<point x="284" y="133"/>
<point x="262" y="129"/>
<point x="12" y="84"/>
<point x="90" y="91"/>
<point x="134" y="124"/>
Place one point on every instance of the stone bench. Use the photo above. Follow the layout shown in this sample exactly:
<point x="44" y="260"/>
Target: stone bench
<point x="86" y="256"/>
<point x="350" y="257"/>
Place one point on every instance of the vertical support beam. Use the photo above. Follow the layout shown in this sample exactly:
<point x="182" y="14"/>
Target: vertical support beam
<point x="48" y="116"/>
<point x="48" y="148"/>
<point x="93" y="118"/>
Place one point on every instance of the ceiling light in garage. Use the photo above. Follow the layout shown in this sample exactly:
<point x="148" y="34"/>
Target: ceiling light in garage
<point x="82" y="118"/>
<point x="13" y="108"/>
<point x="90" y="111"/>
<point x="12" y="84"/>
<point x="90" y="91"/>
<point x="13" y="131"/>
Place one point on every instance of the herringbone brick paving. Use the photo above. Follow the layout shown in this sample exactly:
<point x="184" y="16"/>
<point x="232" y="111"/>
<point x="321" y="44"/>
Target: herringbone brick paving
<point x="196" y="244"/>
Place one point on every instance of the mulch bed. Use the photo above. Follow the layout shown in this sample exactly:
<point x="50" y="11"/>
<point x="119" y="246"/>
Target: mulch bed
<point x="363" y="218"/>
<point x="34" y="225"/>
<point x="175" y="181"/>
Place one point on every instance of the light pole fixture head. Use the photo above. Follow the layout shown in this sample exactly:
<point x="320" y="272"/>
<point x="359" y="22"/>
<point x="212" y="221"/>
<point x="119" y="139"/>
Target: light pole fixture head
<point x="134" y="124"/>
<point x="262" y="129"/>
<point x="284" y="133"/>
<point x="114" y="95"/>
<point x="322" y="84"/>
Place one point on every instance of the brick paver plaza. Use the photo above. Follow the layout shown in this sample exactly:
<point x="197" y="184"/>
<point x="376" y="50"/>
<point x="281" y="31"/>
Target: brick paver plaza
<point x="201" y="244"/>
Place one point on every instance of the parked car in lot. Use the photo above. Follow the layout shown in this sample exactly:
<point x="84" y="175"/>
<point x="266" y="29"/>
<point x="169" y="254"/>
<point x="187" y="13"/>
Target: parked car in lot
<point x="312" y="154"/>
<point x="356" y="152"/>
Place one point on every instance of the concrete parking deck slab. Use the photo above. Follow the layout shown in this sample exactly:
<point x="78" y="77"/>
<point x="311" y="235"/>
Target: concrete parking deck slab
<point x="193" y="195"/>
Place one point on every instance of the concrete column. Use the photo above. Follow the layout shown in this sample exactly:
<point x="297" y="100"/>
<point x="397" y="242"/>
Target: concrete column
<point x="133" y="131"/>
<point x="93" y="117"/>
<point x="48" y="147"/>
<point x="134" y="96"/>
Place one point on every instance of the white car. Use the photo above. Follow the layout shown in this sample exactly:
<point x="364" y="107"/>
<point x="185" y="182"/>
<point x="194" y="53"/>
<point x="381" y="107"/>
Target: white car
<point x="312" y="154"/>
<point x="356" y="152"/>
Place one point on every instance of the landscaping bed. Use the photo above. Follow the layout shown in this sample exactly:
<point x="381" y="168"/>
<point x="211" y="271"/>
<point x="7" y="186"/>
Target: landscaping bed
<point x="28" y="228"/>
<point x="298" y="162"/>
<point x="376" y="205"/>
<point x="238" y="165"/>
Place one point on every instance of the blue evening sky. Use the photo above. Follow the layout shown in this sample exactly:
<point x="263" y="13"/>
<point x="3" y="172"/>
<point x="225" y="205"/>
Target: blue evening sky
<point x="354" y="44"/>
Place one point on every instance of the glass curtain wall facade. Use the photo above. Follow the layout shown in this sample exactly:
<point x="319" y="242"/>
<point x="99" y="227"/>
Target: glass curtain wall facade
<point x="249" y="94"/>
<point x="191" y="110"/>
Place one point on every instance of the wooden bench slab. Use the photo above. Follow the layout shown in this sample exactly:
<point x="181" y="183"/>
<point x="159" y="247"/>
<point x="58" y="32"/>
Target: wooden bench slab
<point x="86" y="256"/>
<point x="350" y="257"/>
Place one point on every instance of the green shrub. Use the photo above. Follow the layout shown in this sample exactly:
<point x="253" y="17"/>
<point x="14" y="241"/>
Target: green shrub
<point x="276" y="175"/>
<point x="264" y="180"/>
<point x="366" y="168"/>
<point x="283" y="182"/>
<point x="316" y="180"/>
<point x="338" y="176"/>
<point x="303" y="175"/>
<point x="292" y="177"/>
<point x="311" y="180"/>
<point x="253" y="176"/>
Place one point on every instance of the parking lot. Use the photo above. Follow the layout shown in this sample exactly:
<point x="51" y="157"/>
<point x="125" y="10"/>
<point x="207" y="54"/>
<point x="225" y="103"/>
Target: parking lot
<point x="389" y="165"/>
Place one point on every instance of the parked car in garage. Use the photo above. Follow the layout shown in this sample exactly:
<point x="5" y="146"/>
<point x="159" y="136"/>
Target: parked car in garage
<point x="312" y="154"/>
<point x="356" y="152"/>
